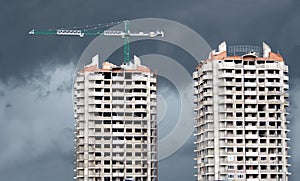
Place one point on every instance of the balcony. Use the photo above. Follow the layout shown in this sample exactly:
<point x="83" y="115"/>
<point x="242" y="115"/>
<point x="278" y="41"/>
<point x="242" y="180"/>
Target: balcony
<point x="118" y="150"/>
<point x="118" y="86"/>
<point x="250" y="101"/>
<point x="225" y="101"/>
<point x="195" y="75"/>
<point x="153" y="88"/>
<point x="140" y="110"/>
<point x="251" y="110"/>
<point x="117" y="118"/>
<point x="79" y="94"/>
<point x="229" y="83"/>
<point x="92" y="101"/>
<point x="196" y="84"/>
<point x="251" y="127"/>
<point x="274" y="101"/>
<point x="118" y="133"/>
<point x="151" y="95"/>
<point x="152" y="79"/>
<point x="251" y="136"/>
<point x="251" y="153"/>
<point x="95" y="110"/>
<point x="273" y="66"/>
<point x="79" y="87"/>
<point x="96" y="94"/>
<point x="118" y="94"/>
<point x="286" y="103"/>
<point x="152" y="103"/>
<point x="143" y="102"/>
<point x="273" y="84"/>
<point x="207" y="102"/>
<point x="153" y="111"/>
<point x="260" y="66"/>
<point x="117" y="126"/>
<point x="118" y="78"/>
<point x="251" y="162"/>
<point x="272" y="75"/>
<point x="208" y="84"/>
<point x="226" y="75"/>
<point x="249" y="75"/>
<point x="120" y="102"/>
<point x="238" y="93"/>
<point x="252" y="172"/>
<point x="254" y="144"/>
<point x="274" y="92"/>
<point x="226" y="65"/>
<point x="224" y="92"/>
<point x="250" y="93"/>
<point x="239" y="83"/>
<point x="196" y="92"/>
<point x="207" y="77"/>
<point x="118" y="174"/>
<point x="207" y="94"/>
<point x="251" y="67"/>
<point x="96" y="77"/>
<point x="91" y="86"/>
<point x="139" y="78"/>
<point x="118" y="142"/>
<point x="140" y="86"/>
<point x="80" y="79"/>
<point x="250" y="118"/>
<point x="250" y="84"/>
<point x="207" y="67"/>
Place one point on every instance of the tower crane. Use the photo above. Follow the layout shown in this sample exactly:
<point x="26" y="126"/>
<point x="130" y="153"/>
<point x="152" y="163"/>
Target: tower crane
<point x="101" y="29"/>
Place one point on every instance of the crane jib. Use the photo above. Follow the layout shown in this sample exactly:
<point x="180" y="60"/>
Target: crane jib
<point x="64" y="32"/>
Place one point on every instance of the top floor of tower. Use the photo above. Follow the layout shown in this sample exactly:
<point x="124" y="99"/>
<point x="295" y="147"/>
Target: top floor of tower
<point x="240" y="53"/>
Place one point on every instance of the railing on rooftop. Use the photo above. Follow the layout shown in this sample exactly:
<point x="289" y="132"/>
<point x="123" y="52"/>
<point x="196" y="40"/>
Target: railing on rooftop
<point x="239" y="50"/>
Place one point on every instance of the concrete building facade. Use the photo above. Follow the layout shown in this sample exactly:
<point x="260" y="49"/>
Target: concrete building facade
<point x="116" y="124"/>
<point x="241" y="108"/>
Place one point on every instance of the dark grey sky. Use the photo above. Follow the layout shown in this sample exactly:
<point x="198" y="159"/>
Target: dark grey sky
<point x="36" y="116"/>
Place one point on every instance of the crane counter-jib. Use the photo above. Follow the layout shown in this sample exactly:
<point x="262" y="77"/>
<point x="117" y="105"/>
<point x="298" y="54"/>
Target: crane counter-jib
<point x="80" y="33"/>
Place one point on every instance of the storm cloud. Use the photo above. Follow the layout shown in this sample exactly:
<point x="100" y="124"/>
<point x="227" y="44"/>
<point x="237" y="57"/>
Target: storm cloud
<point x="36" y="123"/>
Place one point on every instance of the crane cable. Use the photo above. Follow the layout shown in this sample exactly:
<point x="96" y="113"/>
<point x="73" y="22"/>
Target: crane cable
<point x="91" y="27"/>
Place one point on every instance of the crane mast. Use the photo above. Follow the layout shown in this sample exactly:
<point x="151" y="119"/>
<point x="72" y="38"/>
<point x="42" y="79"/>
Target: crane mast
<point x="126" y="43"/>
<point x="96" y="30"/>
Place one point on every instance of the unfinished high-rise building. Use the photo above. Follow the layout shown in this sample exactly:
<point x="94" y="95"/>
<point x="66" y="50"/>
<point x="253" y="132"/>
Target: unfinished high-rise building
<point x="116" y="127"/>
<point x="241" y="115"/>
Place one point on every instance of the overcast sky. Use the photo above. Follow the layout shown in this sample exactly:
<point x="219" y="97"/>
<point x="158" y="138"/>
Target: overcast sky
<point x="36" y="113"/>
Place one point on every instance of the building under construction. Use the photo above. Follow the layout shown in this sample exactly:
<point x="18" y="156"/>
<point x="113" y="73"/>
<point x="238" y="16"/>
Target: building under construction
<point x="241" y="108"/>
<point x="116" y="122"/>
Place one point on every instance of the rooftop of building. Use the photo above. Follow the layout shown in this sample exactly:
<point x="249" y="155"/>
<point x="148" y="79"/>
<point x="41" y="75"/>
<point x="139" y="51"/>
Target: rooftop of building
<point x="243" y="52"/>
<point x="132" y="66"/>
